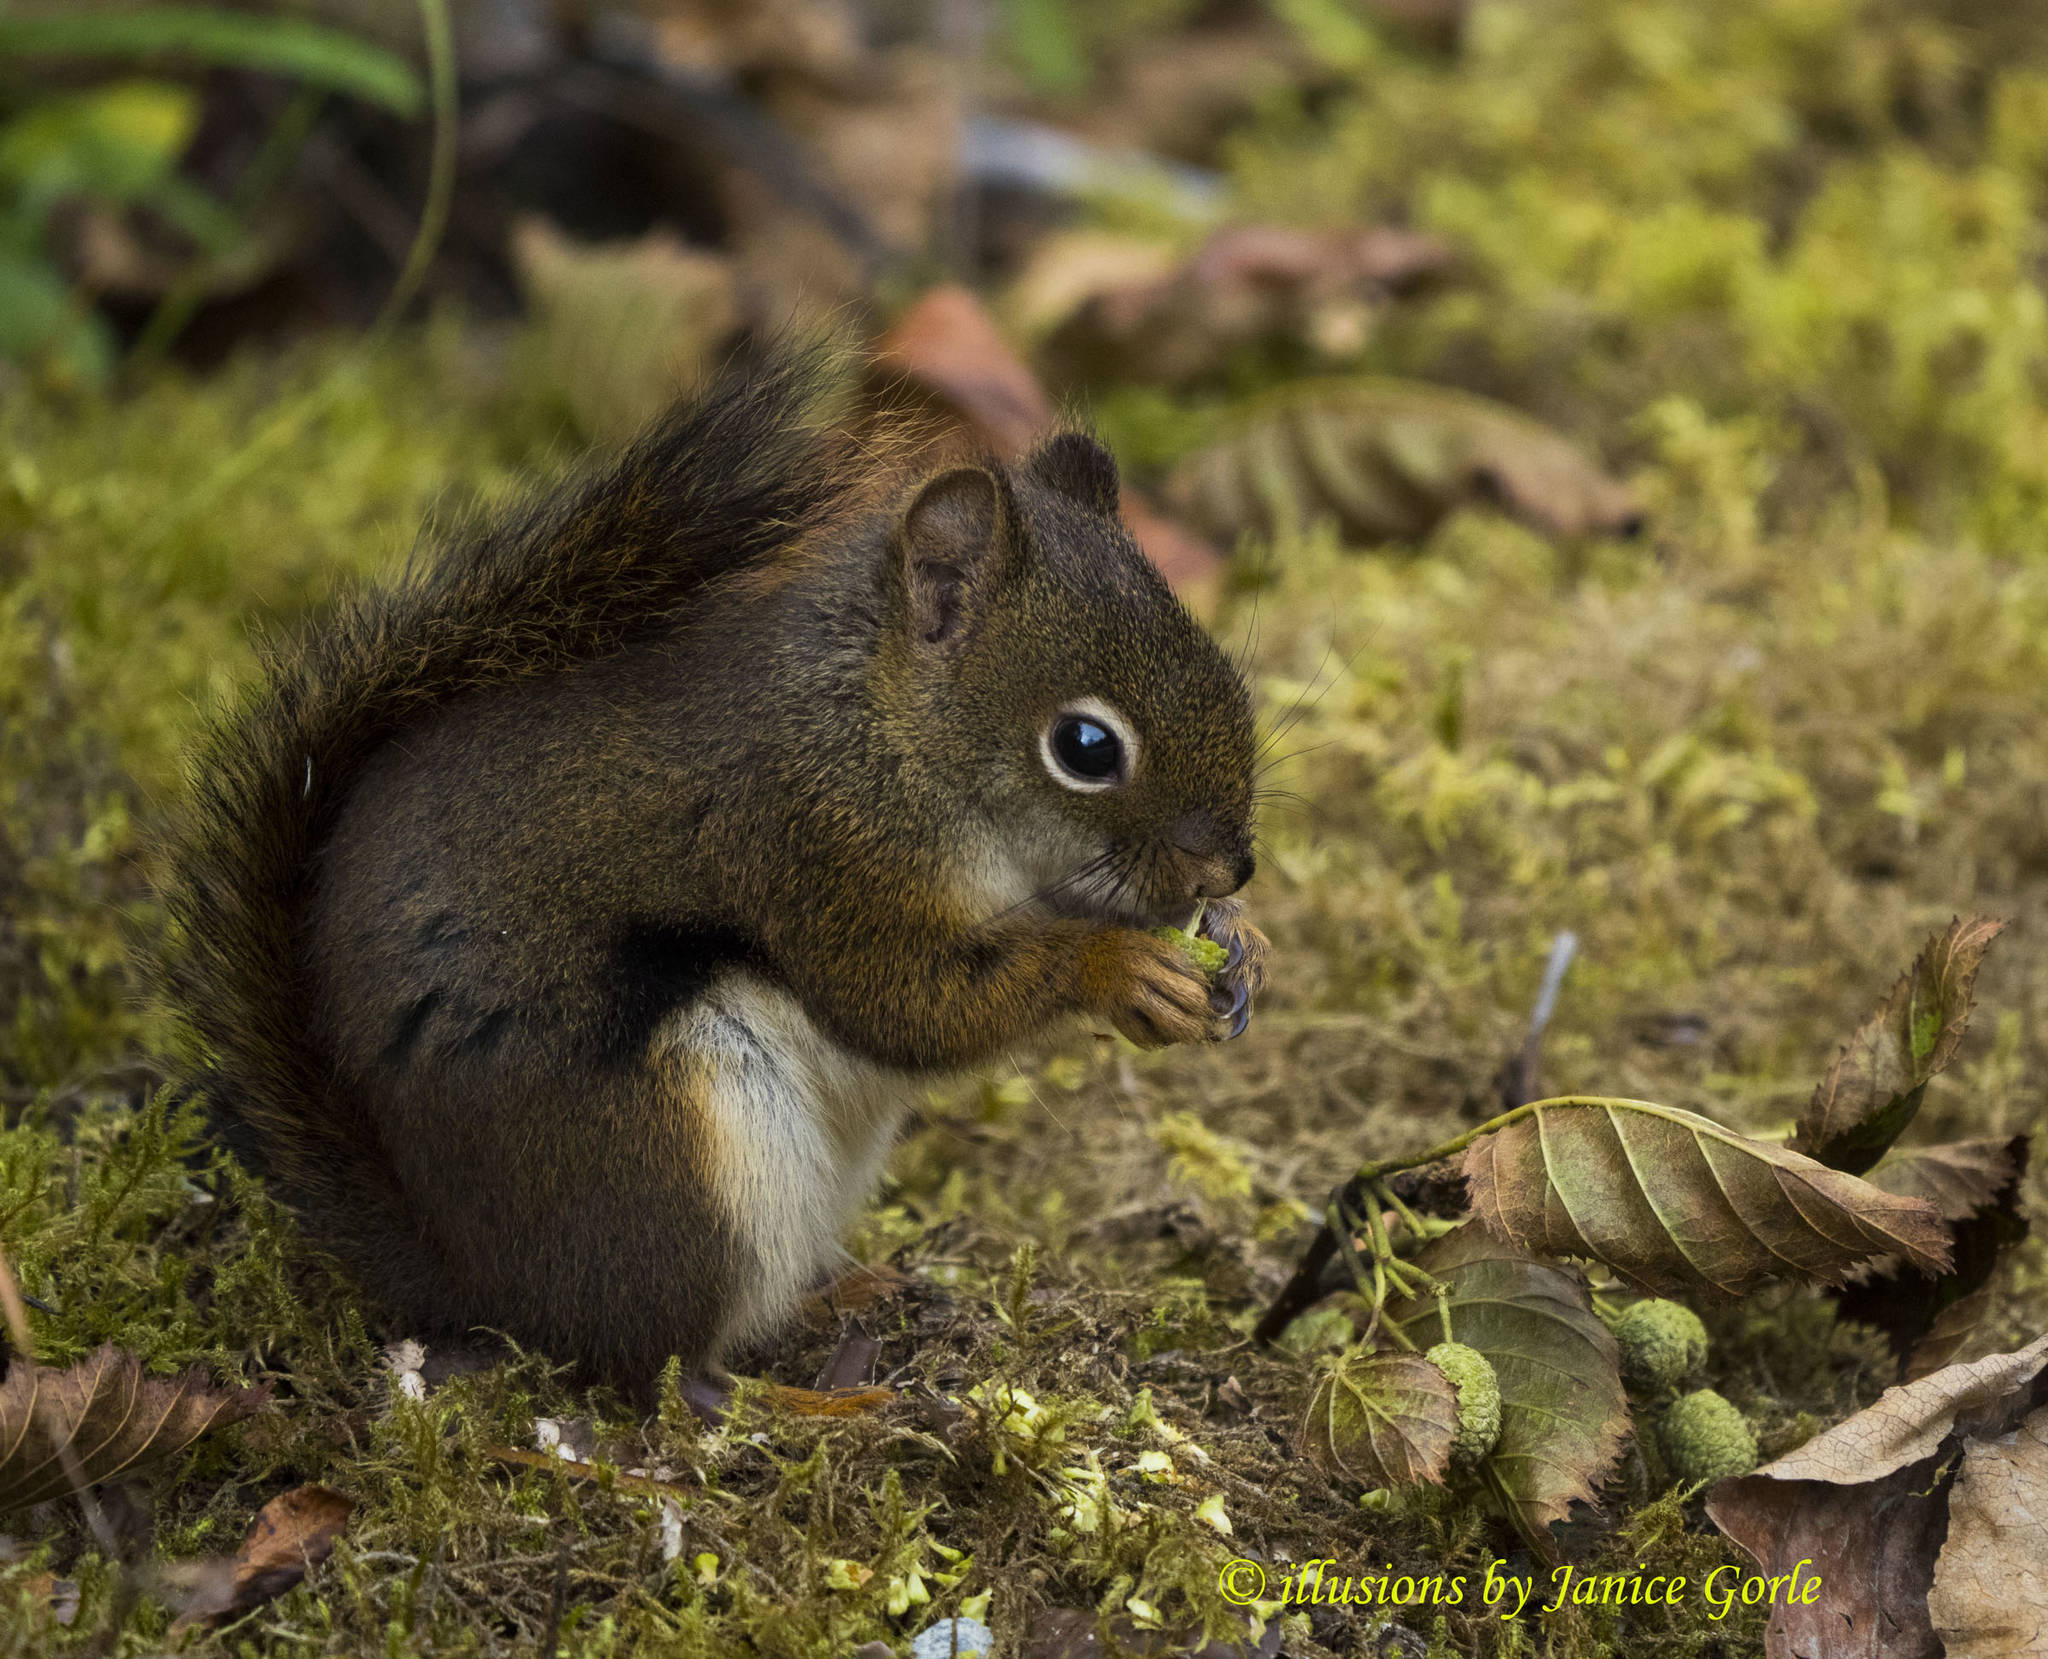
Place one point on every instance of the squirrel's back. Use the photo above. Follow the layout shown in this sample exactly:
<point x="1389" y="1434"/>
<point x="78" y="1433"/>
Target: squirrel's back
<point x="721" y="484"/>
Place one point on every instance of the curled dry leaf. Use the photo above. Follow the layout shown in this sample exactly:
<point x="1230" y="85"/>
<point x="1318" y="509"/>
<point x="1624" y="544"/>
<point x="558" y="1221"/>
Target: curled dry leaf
<point x="110" y="1415"/>
<point x="1673" y="1202"/>
<point x="1129" y="319"/>
<point x="1931" y="1319"/>
<point x="1381" y="1419"/>
<point x="291" y="1535"/>
<point x="948" y="351"/>
<point x="1389" y="459"/>
<point x="1564" y="1414"/>
<point x="1866" y="1504"/>
<point x="1958" y="1178"/>
<point x="1875" y="1085"/>
<point x="1990" y="1593"/>
<point x="1907" y="1424"/>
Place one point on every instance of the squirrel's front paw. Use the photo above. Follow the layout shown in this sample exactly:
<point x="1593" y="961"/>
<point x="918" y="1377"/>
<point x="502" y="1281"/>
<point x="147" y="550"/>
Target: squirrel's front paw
<point x="1148" y="989"/>
<point x="1244" y="968"/>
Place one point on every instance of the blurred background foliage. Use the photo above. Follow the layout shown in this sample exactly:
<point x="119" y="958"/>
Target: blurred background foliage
<point x="1617" y="430"/>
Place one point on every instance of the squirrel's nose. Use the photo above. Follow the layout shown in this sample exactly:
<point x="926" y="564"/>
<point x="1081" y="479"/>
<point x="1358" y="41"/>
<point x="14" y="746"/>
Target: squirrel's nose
<point x="1224" y="868"/>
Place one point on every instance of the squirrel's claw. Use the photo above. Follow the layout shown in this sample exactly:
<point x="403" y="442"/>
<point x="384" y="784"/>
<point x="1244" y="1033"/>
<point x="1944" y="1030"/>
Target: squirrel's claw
<point x="1244" y="965"/>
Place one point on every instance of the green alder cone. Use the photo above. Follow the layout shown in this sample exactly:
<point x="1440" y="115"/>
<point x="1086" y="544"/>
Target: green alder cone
<point x="1706" y="1438"/>
<point x="1471" y="1374"/>
<point x="1662" y="1342"/>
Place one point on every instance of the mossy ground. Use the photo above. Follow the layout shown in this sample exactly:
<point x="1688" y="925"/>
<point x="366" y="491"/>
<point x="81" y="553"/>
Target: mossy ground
<point x="1779" y="261"/>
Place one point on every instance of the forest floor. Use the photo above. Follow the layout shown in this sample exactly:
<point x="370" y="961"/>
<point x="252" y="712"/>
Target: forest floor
<point x="1751" y="758"/>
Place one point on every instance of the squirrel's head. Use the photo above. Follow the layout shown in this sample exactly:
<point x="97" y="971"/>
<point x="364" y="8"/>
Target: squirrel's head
<point x="1106" y="740"/>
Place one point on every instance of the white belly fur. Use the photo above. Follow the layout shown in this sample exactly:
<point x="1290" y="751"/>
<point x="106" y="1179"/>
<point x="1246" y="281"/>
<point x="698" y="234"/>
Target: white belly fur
<point x="802" y="1129"/>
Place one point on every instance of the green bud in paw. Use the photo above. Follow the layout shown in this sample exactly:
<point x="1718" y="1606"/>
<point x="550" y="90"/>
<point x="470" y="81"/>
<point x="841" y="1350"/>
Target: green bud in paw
<point x="1471" y="1374"/>
<point x="1206" y="954"/>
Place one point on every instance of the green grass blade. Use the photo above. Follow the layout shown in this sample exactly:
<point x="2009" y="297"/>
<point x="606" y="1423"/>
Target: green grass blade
<point x="284" y="46"/>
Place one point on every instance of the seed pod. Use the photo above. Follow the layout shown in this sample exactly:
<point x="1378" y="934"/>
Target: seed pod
<point x="1705" y="1438"/>
<point x="1662" y="1343"/>
<point x="1471" y="1374"/>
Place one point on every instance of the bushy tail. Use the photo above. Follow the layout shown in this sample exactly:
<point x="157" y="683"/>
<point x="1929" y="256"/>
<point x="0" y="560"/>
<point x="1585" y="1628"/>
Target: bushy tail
<point x="722" y="482"/>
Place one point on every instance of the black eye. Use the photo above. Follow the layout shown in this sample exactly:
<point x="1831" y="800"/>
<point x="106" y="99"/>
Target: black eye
<point x="1087" y="749"/>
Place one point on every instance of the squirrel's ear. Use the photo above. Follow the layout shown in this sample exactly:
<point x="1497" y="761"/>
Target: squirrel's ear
<point x="1079" y="468"/>
<point x="952" y="545"/>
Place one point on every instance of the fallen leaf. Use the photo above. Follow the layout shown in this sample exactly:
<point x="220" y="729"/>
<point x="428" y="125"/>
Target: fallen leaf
<point x="1381" y="1419"/>
<point x="1990" y="1593"/>
<point x="1246" y="285"/>
<point x="948" y="350"/>
<point x="1871" y="1547"/>
<point x="827" y="1402"/>
<point x="1907" y="1423"/>
<point x="949" y="347"/>
<point x="852" y="1364"/>
<point x="855" y="1291"/>
<point x="1389" y="459"/>
<point x="1673" y="1202"/>
<point x="291" y="1535"/>
<point x="109" y="1414"/>
<point x="1564" y="1414"/>
<point x="1958" y="1178"/>
<point x="1874" y="1087"/>
<point x="1931" y="1318"/>
<point x="622" y="328"/>
<point x="1867" y="1504"/>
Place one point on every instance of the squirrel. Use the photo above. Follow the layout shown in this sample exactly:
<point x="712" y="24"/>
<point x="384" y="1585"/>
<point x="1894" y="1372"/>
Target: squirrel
<point x="561" y="927"/>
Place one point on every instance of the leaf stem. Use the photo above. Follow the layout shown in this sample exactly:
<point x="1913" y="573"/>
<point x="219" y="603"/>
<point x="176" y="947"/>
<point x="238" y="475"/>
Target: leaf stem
<point x="1305" y="1289"/>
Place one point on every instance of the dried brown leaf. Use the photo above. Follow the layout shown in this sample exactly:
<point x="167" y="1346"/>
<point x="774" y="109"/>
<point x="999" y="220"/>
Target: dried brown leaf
<point x="1564" y="1414"/>
<point x="1120" y="316"/>
<point x="1381" y="1419"/>
<point x="1874" y="1087"/>
<point x="949" y="352"/>
<point x="110" y="1415"/>
<point x="1908" y="1423"/>
<point x="1871" y="1548"/>
<point x="1958" y="1178"/>
<point x="1673" y="1202"/>
<point x="1931" y="1319"/>
<point x="1867" y="1504"/>
<point x="291" y="1535"/>
<point x="1388" y="459"/>
<point x="1990" y="1592"/>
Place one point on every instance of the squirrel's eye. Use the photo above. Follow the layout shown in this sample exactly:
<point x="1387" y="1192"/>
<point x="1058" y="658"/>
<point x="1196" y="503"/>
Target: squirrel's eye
<point x="1086" y="750"/>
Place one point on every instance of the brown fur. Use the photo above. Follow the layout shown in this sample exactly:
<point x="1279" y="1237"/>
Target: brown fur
<point x="714" y="718"/>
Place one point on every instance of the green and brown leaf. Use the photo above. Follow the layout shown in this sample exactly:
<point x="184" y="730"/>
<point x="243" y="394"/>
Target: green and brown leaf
<point x="1874" y="1088"/>
<point x="1564" y="1414"/>
<point x="108" y="1415"/>
<point x="1388" y="459"/>
<point x="1381" y="1419"/>
<point x="1673" y="1202"/>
